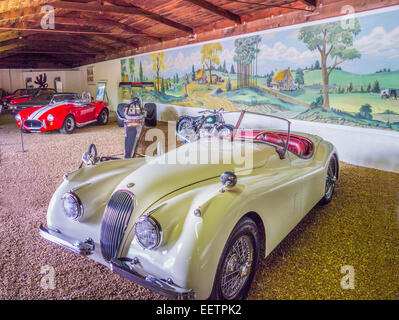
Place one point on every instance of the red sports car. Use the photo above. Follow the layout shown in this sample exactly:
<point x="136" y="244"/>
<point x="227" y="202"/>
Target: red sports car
<point x="65" y="112"/>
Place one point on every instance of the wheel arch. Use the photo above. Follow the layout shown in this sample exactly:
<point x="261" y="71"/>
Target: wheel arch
<point x="261" y="228"/>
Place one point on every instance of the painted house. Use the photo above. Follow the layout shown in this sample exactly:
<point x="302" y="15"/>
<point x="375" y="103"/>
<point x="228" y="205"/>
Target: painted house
<point x="283" y="81"/>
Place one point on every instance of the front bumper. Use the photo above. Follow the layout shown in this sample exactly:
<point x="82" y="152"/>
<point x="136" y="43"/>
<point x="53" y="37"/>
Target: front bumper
<point x="161" y="286"/>
<point x="86" y="247"/>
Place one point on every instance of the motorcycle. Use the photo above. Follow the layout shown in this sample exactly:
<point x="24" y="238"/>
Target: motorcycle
<point x="209" y="123"/>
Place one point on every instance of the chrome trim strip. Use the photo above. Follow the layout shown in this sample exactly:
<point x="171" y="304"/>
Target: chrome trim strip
<point x="164" y="287"/>
<point x="81" y="247"/>
<point x="79" y="125"/>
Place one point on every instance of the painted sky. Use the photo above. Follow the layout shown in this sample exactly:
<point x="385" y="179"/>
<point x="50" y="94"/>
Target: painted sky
<point x="378" y="43"/>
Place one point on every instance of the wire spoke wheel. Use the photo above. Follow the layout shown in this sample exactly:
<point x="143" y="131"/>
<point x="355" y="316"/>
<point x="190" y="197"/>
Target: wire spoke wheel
<point x="237" y="267"/>
<point x="330" y="179"/>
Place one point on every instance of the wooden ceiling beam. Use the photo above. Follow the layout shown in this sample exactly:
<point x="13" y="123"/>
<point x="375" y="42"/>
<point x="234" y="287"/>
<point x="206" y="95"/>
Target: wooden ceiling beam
<point x="217" y="10"/>
<point x="104" y="22"/>
<point x="10" y="47"/>
<point x="84" y="42"/>
<point x="43" y="47"/>
<point x="57" y="31"/>
<point x="18" y="15"/>
<point x="120" y="10"/>
<point x="115" y="38"/>
<point x="73" y="53"/>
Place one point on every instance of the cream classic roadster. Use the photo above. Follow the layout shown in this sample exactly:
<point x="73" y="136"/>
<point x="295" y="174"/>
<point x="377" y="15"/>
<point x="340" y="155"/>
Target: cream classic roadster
<point x="195" y="230"/>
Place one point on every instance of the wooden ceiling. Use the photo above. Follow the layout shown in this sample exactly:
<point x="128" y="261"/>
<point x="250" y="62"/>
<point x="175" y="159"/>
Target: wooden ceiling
<point x="87" y="31"/>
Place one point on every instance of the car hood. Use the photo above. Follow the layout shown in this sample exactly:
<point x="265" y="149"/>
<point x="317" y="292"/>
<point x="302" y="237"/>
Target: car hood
<point x="21" y="99"/>
<point x="9" y="97"/>
<point x="39" y="113"/>
<point x="161" y="176"/>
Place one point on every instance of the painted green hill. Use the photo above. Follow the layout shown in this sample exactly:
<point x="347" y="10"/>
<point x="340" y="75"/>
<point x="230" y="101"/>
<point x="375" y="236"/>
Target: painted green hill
<point x="343" y="78"/>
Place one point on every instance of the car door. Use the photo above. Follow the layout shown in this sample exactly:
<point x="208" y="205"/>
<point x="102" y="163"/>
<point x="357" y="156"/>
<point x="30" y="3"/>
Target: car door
<point x="87" y="112"/>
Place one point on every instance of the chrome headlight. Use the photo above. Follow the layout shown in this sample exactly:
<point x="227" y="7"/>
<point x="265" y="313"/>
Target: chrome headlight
<point x="50" y="117"/>
<point x="18" y="117"/>
<point x="72" y="205"/>
<point x="148" y="232"/>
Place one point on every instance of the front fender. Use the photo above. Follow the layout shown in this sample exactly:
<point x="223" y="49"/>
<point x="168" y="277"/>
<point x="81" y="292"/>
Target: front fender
<point x="192" y="246"/>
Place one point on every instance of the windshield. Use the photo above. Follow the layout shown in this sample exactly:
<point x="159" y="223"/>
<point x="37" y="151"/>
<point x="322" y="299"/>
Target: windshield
<point x="257" y="127"/>
<point x="44" y="96"/>
<point x="64" y="97"/>
<point x="20" y="92"/>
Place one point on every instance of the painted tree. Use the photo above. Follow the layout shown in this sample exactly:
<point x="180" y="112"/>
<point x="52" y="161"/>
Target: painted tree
<point x="158" y="65"/>
<point x="376" y="87"/>
<point x="131" y="68"/>
<point x="333" y="41"/>
<point x="366" y="112"/>
<point x="299" y="77"/>
<point x="141" y="74"/>
<point x="228" y="84"/>
<point x="210" y="56"/>
<point x="246" y="56"/>
<point x="232" y="71"/>
<point x="123" y="69"/>
<point x="193" y="74"/>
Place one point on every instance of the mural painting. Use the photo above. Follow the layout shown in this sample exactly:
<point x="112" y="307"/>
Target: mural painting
<point x="343" y="72"/>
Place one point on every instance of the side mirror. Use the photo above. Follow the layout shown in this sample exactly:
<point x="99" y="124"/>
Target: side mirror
<point x="228" y="180"/>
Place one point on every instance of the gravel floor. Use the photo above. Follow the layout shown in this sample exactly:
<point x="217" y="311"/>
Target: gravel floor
<point x="359" y="228"/>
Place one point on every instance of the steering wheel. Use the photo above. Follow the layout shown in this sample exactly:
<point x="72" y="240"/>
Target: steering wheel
<point x="89" y="157"/>
<point x="272" y="133"/>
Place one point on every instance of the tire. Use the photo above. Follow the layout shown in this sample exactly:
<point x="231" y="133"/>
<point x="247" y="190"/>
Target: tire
<point x="120" y="113"/>
<point x="185" y="128"/>
<point x="151" y="118"/>
<point x="225" y="129"/>
<point x="120" y="122"/>
<point x="245" y="232"/>
<point x="69" y="125"/>
<point x="103" y="117"/>
<point x="331" y="178"/>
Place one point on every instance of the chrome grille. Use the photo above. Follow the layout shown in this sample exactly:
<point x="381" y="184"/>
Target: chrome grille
<point x="115" y="220"/>
<point x="33" y="123"/>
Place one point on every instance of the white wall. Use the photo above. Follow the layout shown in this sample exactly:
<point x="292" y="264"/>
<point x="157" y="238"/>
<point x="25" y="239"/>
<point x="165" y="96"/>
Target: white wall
<point x="12" y="79"/>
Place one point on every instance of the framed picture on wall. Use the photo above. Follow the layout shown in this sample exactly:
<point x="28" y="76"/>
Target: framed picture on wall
<point x="90" y="75"/>
<point x="101" y="91"/>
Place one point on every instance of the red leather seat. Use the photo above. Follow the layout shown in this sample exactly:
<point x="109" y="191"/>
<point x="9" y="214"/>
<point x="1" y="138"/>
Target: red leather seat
<point x="299" y="145"/>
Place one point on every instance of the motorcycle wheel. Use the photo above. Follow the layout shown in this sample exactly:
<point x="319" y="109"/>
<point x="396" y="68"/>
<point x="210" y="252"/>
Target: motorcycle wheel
<point x="185" y="129"/>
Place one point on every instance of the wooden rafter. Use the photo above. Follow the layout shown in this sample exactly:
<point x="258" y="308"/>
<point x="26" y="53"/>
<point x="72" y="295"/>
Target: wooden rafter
<point x="120" y="10"/>
<point x="79" y="31"/>
<point x="10" y="47"/>
<point x="103" y="22"/>
<point x="217" y="10"/>
<point x="114" y="38"/>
